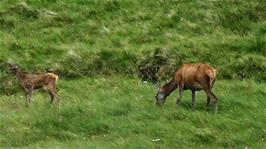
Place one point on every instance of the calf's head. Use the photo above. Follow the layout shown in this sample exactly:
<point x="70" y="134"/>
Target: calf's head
<point x="14" y="68"/>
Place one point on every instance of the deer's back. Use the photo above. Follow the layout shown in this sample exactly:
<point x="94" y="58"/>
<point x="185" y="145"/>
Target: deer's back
<point x="193" y="74"/>
<point x="39" y="79"/>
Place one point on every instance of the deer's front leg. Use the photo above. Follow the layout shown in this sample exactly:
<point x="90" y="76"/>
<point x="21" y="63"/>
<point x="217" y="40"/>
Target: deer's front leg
<point x="181" y="90"/>
<point x="29" y="89"/>
<point x="29" y="95"/>
<point x="193" y="99"/>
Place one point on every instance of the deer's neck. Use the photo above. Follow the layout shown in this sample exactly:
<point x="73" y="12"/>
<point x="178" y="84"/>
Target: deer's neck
<point x="20" y="75"/>
<point x="169" y="87"/>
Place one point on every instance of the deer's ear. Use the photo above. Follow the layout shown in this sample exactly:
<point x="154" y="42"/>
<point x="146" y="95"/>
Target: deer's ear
<point x="14" y="66"/>
<point x="158" y="85"/>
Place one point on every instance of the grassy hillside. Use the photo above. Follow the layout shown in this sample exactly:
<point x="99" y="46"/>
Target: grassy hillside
<point x="104" y="49"/>
<point x="115" y="36"/>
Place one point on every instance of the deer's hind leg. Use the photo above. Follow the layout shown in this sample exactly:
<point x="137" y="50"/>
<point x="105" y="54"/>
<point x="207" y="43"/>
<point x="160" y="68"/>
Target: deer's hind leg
<point x="52" y="97"/>
<point x="53" y="93"/>
<point x="208" y="102"/>
<point x="213" y="99"/>
<point x="210" y="96"/>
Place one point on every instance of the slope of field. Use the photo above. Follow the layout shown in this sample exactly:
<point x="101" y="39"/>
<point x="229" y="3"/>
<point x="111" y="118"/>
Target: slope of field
<point x="106" y="37"/>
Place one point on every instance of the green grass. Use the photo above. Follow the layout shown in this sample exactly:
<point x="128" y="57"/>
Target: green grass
<point x="99" y="47"/>
<point x="119" y="112"/>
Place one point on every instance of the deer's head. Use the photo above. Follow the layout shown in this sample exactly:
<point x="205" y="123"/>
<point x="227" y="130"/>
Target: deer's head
<point x="160" y="95"/>
<point x="14" y="68"/>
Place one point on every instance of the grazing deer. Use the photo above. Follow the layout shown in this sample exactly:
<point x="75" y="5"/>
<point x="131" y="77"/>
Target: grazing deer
<point x="29" y="82"/>
<point x="190" y="76"/>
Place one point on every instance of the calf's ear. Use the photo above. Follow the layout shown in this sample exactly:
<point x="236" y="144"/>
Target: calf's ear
<point x="158" y="85"/>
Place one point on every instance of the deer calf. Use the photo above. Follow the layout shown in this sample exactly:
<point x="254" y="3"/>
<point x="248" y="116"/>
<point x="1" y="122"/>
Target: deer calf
<point x="29" y="82"/>
<point x="195" y="77"/>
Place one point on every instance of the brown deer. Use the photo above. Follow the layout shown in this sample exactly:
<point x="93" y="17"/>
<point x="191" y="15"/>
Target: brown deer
<point x="195" y="77"/>
<point x="29" y="82"/>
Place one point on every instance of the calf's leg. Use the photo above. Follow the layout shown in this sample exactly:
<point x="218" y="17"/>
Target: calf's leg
<point x="29" y="95"/>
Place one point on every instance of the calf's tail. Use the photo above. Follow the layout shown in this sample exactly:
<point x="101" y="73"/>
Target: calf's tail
<point x="212" y="76"/>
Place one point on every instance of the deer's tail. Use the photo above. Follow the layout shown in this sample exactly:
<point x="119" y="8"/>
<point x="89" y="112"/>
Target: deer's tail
<point x="212" y="76"/>
<point x="55" y="76"/>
